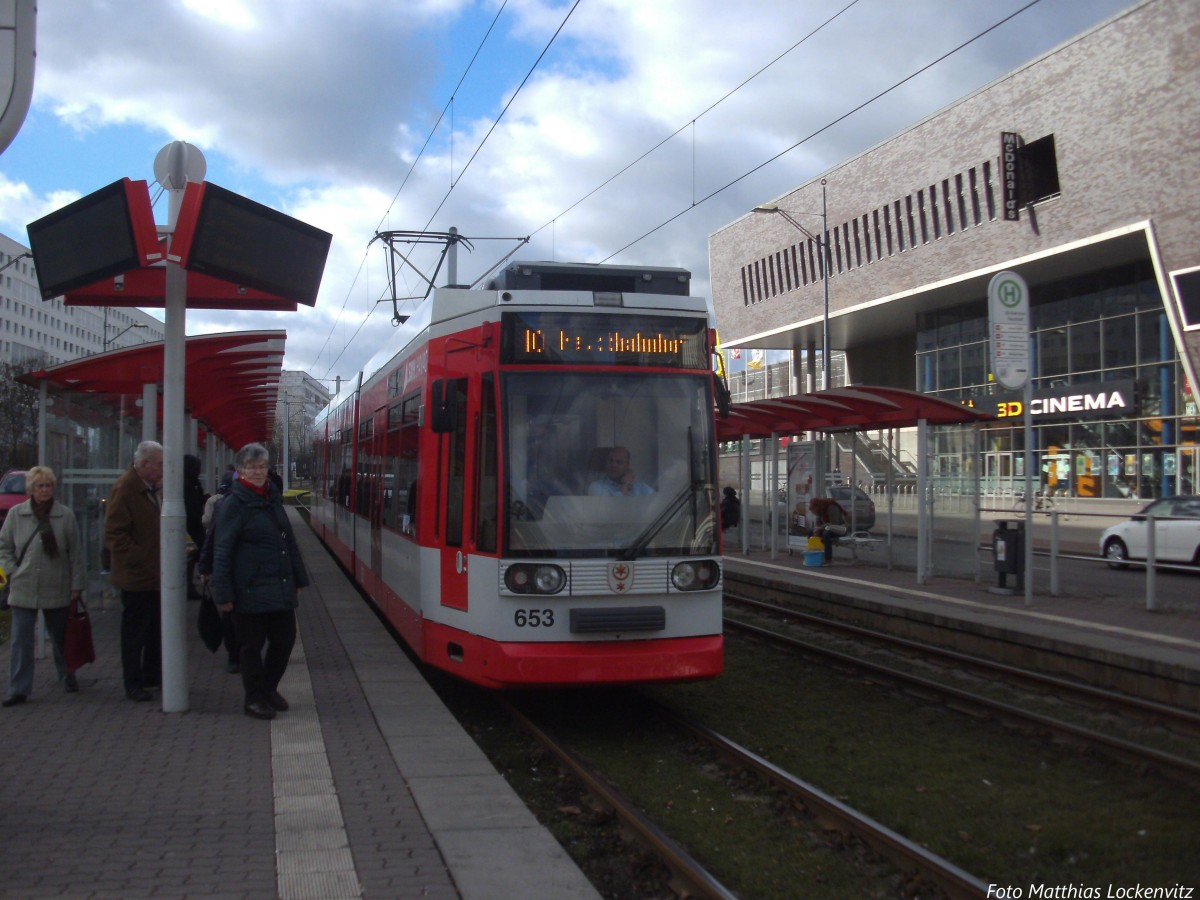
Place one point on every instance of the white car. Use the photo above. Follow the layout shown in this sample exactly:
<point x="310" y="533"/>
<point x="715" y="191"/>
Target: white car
<point x="1176" y="533"/>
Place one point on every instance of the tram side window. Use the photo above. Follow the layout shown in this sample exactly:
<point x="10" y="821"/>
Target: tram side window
<point x="345" y="488"/>
<point x="486" y="499"/>
<point x="456" y="475"/>
<point x="402" y="463"/>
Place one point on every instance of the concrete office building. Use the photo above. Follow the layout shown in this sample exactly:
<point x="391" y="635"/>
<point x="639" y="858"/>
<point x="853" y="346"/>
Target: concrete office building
<point x="34" y="329"/>
<point x="1101" y="218"/>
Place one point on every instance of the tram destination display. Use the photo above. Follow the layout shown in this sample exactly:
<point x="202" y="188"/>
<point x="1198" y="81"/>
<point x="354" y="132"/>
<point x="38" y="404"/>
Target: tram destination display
<point x="559" y="338"/>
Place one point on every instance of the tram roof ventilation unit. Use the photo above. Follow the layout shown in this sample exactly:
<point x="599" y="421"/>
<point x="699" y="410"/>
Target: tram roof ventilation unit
<point x="555" y="276"/>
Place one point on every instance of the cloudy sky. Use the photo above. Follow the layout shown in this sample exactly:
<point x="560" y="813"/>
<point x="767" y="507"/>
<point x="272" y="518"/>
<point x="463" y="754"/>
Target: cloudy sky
<point x="603" y="130"/>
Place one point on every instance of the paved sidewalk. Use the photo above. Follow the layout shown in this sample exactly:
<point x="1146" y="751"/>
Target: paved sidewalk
<point x="366" y="787"/>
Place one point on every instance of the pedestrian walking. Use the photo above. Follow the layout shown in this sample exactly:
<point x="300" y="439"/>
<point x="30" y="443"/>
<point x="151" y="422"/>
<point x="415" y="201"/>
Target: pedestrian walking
<point x="256" y="574"/>
<point x="132" y="538"/>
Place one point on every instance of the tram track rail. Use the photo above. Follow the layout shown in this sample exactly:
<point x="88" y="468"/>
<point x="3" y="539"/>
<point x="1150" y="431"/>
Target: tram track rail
<point x="1168" y="764"/>
<point x="689" y="875"/>
<point x="690" y="878"/>
<point x="904" y="853"/>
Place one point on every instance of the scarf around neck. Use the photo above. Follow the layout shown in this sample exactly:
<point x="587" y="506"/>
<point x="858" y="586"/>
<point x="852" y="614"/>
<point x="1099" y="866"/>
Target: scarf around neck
<point x="41" y="512"/>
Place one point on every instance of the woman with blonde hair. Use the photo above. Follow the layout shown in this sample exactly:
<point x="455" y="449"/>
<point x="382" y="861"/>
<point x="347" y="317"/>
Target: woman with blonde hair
<point x="41" y="553"/>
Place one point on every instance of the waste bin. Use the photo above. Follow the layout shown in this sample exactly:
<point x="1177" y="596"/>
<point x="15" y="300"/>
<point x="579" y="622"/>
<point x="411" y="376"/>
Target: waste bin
<point x="1008" y="549"/>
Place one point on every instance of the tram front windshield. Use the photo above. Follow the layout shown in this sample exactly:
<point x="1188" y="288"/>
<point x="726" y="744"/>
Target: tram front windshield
<point x="609" y="464"/>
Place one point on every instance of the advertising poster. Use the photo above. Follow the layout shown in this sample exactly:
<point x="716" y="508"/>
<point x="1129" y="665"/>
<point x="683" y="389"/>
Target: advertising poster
<point x="802" y="476"/>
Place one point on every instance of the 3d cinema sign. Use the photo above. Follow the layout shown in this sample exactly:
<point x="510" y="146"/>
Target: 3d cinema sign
<point x="1106" y="399"/>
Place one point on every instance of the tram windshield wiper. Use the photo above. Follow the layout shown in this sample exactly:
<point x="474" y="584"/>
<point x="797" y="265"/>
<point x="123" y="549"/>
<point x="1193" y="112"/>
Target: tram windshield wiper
<point x="651" y="531"/>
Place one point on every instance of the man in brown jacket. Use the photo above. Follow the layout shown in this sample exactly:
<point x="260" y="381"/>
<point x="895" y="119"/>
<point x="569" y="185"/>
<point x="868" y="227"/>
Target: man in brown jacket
<point x="131" y="534"/>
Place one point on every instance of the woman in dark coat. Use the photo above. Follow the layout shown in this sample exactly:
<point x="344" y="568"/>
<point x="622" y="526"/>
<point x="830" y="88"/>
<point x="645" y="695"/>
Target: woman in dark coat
<point x="257" y="571"/>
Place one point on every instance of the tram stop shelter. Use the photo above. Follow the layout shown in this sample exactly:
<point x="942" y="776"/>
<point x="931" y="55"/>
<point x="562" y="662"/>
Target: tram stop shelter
<point x="93" y="412"/>
<point x="838" y="421"/>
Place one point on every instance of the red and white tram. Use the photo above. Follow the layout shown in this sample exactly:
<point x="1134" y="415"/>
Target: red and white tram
<point x="527" y="489"/>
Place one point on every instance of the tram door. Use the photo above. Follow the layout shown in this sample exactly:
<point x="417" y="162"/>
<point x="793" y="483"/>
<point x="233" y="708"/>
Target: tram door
<point x="452" y="421"/>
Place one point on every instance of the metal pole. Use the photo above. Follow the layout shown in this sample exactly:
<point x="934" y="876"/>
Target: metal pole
<point x="174" y="515"/>
<point x="150" y="411"/>
<point x="287" y="415"/>
<point x="1151" y="565"/>
<point x="1054" y="553"/>
<point x="744" y="484"/>
<point x="176" y="164"/>
<point x="1028" y="493"/>
<point x="922" y="511"/>
<point x="43" y="405"/>
<point x="825" y="280"/>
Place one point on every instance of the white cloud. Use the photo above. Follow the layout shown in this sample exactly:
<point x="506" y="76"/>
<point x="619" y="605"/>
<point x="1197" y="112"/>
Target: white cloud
<point x="320" y="110"/>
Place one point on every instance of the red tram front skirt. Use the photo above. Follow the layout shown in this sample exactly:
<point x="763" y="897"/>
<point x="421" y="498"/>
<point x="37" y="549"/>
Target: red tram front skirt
<point x="510" y="665"/>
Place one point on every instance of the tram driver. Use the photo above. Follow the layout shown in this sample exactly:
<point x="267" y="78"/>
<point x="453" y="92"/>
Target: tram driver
<point x="618" y="479"/>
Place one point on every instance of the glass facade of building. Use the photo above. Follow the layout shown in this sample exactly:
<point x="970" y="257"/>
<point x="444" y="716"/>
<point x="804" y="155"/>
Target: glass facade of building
<point x="1113" y="414"/>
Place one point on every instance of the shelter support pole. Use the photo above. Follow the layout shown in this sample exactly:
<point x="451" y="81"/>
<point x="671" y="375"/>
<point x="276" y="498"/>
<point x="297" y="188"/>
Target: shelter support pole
<point x="762" y="475"/>
<point x="150" y="411"/>
<point x="210" y="464"/>
<point x="772" y="503"/>
<point x="977" y="485"/>
<point x="744" y="484"/>
<point x="1029" y="463"/>
<point x="287" y="415"/>
<point x="889" y="487"/>
<point x="43" y="416"/>
<point x="922" y="500"/>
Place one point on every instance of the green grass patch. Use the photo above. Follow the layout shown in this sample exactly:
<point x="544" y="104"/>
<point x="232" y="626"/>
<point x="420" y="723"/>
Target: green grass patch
<point x="297" y="497"/>
<point x="1004" y="806"/>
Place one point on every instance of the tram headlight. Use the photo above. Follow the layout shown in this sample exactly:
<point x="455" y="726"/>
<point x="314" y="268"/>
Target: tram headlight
<point x="534" y="578"/>
<point x="695" y="575"/>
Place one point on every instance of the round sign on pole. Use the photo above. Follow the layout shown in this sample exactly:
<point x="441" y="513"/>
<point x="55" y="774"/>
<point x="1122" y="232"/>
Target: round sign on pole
<point x="1008" y="318"/>
<point x="178" y="163"/>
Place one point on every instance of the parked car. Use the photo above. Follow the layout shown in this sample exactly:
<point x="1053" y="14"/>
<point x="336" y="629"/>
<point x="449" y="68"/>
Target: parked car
<point x="12" y="491"/>
<point x="863" y="513"/>
<point x="1176" y="534"/>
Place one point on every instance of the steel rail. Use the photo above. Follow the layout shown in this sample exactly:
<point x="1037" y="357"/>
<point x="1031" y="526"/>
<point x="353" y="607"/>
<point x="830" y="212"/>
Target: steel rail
<point x="1168" y="764"/>
<point x="686" y="869"/>
<point x="907" y="855"/>
<point x="1169" y="715"/>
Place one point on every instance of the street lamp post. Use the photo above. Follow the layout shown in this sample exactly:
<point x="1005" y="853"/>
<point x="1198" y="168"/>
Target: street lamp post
<point x="823" y="246"/>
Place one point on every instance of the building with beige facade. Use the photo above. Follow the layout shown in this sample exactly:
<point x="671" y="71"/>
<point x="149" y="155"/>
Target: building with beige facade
<point x="1094" y="200"/>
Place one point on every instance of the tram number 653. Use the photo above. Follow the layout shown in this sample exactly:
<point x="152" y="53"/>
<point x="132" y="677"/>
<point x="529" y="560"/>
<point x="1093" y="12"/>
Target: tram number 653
<point x="533" y="618"/>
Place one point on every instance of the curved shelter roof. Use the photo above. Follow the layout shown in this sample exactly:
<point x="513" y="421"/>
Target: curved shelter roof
<point x="231" y="380"/>
<point x="858" y="408"/>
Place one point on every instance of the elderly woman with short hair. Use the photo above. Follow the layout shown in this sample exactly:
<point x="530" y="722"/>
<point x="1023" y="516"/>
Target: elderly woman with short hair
<point x="256" y="572"/>
<point x="40" y="551"/>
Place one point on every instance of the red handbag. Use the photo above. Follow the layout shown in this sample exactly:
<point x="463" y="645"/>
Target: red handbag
<point x="78" y="647"/>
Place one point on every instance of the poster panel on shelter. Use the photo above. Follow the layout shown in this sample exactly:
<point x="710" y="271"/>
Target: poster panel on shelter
<point x="802" y="475"/>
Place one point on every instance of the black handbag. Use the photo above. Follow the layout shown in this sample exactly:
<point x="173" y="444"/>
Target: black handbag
<point x="208" y="621"/>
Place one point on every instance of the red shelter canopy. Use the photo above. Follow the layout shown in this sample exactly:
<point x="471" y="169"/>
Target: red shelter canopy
<point x="231" y="380"/>
<point x="858" y="408"/>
